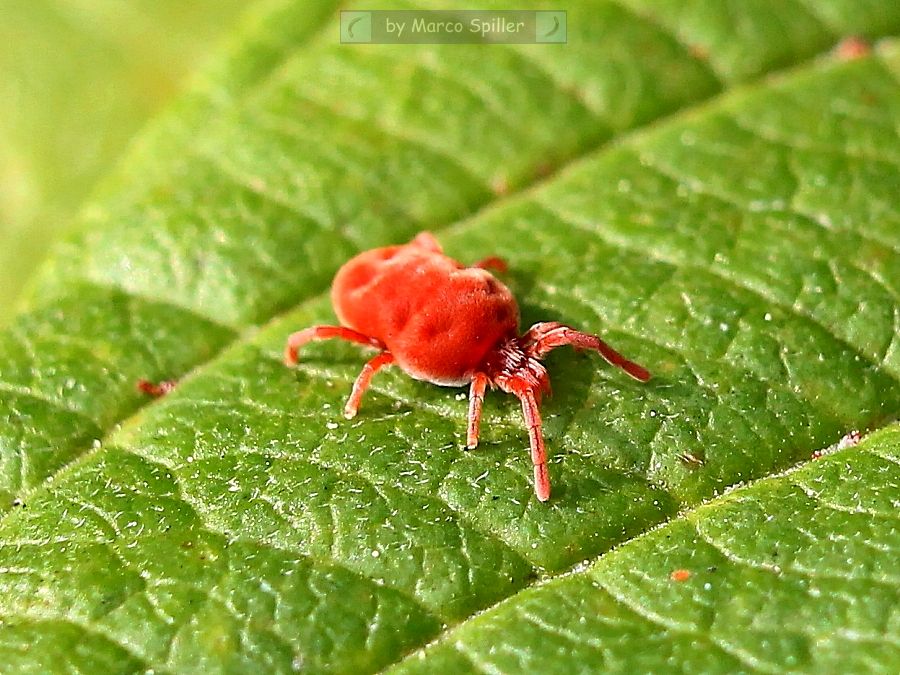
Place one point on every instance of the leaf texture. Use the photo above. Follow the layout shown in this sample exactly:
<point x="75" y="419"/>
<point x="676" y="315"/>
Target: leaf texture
<point x="796" y="572"/>
<point x="743" y="244"/>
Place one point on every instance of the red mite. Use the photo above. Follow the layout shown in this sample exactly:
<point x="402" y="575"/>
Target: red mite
<point x="448" y="324"/>
<point x="156" y="388"/>
<point x="680" y="575"/>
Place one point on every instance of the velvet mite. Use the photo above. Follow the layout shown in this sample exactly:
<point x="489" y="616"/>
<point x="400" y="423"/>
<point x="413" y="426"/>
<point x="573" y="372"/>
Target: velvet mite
<point x="449" y="324"/>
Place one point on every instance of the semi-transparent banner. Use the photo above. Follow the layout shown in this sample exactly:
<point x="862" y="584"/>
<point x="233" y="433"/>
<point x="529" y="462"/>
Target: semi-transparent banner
<point x="453" y="27"/>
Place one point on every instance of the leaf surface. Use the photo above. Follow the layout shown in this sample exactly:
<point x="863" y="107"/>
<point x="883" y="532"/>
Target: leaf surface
<point x="796" y="572"/>
<point x="744" y="246"/>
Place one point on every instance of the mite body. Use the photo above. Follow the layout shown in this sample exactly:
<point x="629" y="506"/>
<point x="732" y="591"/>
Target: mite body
<point x="449" y="324"/>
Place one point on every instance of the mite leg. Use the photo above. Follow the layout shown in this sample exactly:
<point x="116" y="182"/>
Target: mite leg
<point x="492" y="262"/>
<point x="362" y="382"/>
<point x="476" y="399"/>
<point x="536" y="439"/>
<point x="544" y="337"/>
<point x="301" y="337"/>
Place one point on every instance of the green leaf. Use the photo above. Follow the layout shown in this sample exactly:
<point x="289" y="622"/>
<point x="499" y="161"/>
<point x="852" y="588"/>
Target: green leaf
<point x="796" y="572"/>
<point x="744" y="245"/>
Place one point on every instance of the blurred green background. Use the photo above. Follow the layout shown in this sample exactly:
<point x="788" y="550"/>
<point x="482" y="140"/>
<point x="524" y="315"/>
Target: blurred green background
<point x="78" y="78"/>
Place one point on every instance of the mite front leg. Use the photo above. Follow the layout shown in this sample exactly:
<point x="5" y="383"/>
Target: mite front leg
<point x="544" y="337"/>
<point x="476" y="399"/>
<point x="493" y="262"/>
<point x="362" y="382"/>
<point x="536" y="440"/>
<point x="301" y="337"/>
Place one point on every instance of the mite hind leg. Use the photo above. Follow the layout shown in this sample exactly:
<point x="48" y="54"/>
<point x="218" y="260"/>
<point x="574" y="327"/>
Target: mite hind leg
<point x="301" y="337"/>
<point x="362" y="382"/>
